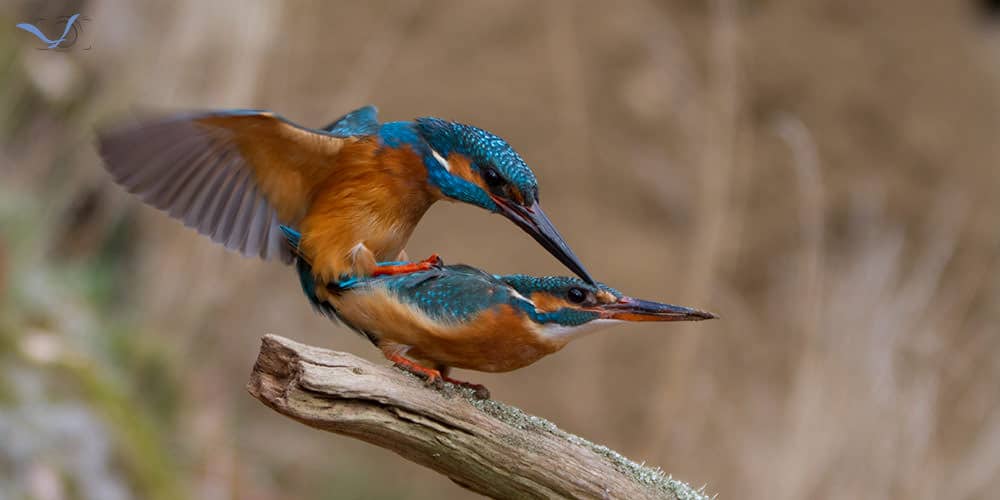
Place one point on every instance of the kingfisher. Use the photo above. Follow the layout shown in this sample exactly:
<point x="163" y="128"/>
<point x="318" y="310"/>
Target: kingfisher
<point x="431" y="320"/>
<point x="356" y="185"/>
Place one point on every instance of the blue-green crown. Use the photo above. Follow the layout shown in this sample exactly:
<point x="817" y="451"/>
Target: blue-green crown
<point x="484" y="149"/>
<point x="556" y="285"/>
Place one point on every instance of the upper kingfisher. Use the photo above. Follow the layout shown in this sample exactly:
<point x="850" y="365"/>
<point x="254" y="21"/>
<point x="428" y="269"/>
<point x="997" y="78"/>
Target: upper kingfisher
<point x="355" y="185"/>
<point x="430" y="320"/>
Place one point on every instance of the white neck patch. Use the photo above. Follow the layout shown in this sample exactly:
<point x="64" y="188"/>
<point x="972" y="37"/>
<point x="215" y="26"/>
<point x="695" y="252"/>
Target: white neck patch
<point x="555" y="331"/>
<point x="444" y="162"/>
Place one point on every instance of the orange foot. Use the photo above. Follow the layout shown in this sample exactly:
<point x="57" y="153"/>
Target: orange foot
<point x="430" y="375"/>
<point x="480" y="391"/>
<point x="434" y="377"/>
<point x="412" y="267"/>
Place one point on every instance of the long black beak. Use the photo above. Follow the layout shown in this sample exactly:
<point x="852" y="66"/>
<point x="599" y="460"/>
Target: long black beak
<point x="534" y="222"/>
<point x="629" y="309"/>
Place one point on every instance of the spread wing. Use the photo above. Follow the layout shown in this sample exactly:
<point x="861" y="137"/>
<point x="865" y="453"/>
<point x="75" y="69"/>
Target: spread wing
<point x="234" y="176"/>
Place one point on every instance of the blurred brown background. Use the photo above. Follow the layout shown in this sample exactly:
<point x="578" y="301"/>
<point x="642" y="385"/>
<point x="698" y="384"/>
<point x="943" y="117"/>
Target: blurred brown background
<point x="823" y="174"/>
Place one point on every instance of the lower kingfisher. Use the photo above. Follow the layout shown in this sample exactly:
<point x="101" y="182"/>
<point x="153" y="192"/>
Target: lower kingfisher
<point x="356" y="185"/>
<point x="429" y="321"/>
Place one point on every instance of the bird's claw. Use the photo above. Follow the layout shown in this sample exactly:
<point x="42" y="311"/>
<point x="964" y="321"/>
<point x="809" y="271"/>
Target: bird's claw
<point x="434" y="378"/>
<point x="479" y="391"/>
<point x="435" y="382"/>
<point x="431" y="376"/>
<point x="433" y="261"/>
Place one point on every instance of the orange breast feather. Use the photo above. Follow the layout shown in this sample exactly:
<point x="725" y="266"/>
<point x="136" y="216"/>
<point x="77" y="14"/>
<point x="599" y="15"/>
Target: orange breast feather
<point x="497" y="340"/>
<point x="376" y="198"/>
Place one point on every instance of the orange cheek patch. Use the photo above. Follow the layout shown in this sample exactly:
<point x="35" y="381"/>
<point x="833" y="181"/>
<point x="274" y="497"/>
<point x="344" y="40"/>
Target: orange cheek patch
<point x="515" y="195"/>
<point x="605" y="297"/>
<point x="461" y="166"/>
<point x="545" y="302"/>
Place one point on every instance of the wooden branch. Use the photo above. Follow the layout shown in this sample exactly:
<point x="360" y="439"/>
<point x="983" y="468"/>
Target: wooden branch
<point x="483" y="445"/>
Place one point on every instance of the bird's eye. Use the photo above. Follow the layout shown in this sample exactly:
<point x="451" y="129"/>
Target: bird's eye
<point x="576" y="295"/>
<point x="492" y="177"/>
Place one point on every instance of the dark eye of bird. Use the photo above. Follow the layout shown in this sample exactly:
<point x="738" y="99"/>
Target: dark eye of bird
<point x="492" y="178"/>
<point x="576" y="295"/>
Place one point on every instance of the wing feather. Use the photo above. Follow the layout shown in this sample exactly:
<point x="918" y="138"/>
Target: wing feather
<point x="243" y="218"/>
<point x="233" y="176"/>
<point x="183" y="205"/>
<point x="198" y="214"/>
<point x="229" y="216"/>
<point x="178" y="189"/>
<point x="257" y="232"/>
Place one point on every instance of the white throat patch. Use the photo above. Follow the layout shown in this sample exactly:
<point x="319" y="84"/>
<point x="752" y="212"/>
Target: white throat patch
<point x="444" y="162"/>
<point x="556" y="331"/>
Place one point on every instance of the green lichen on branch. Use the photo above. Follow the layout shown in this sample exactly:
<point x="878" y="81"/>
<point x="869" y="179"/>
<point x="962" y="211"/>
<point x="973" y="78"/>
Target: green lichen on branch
<point x="652" y="477"/>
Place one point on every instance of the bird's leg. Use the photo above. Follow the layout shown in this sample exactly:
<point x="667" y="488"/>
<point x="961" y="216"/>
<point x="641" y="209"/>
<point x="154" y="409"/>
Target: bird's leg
<point x="430" y="375"/>
<point x="410" y="267"/>
<point x="363" y="263"/>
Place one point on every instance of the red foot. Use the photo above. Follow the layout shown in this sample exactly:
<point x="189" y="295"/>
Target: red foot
<point x="430" y="375"/>
<point x="412" y="267"/>
<point x="435" y="378"/>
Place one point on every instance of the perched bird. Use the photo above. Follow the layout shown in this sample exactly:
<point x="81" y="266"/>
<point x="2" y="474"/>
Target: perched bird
<point x="354" y="185"/>
<point x="458" y="316"/>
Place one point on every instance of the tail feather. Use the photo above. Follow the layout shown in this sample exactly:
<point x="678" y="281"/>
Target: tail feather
<point x="292" y="236"/>
<point x="306" y="278"/>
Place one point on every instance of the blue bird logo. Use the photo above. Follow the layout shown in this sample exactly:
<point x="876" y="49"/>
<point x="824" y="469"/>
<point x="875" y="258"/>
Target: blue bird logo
<point x="31" y="28"/>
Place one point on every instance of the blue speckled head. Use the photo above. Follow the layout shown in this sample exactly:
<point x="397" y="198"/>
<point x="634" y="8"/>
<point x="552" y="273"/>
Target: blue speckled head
<point x="471" y="165"/>
<point x="572" y="302"/>
<point x="555" y="285"/>
<point x="486" y="152"/>
<point x="581" y="299"/>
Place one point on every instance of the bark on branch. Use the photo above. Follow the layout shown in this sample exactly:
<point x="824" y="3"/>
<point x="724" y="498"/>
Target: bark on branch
<point x="485" y="446"/>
